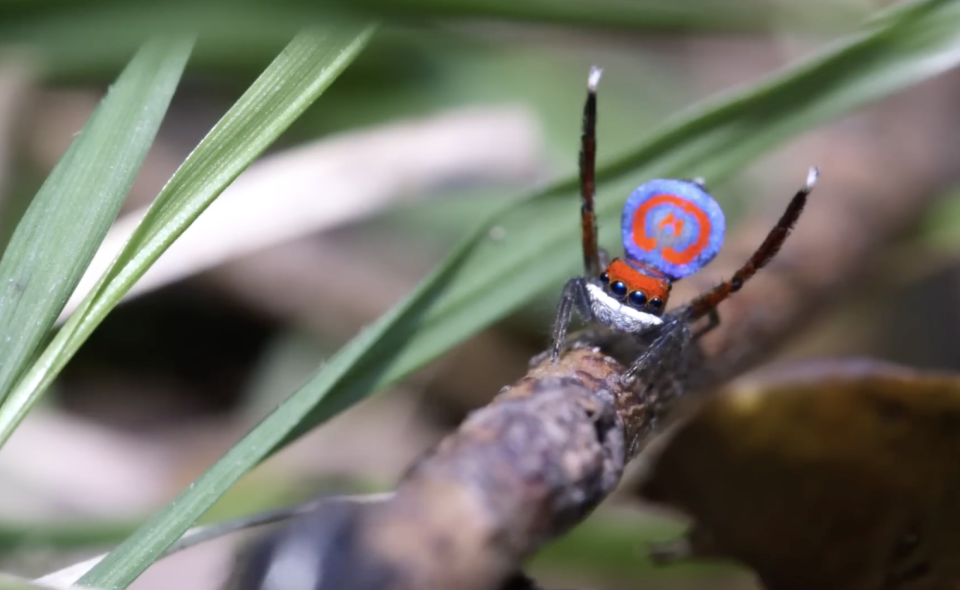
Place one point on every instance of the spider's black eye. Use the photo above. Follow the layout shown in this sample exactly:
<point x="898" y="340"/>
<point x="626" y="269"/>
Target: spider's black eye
<point x="656" y="304"/>
<point x="604" y="278"/>
<point x="637" y="298"/>
<point x="618" y="289"/>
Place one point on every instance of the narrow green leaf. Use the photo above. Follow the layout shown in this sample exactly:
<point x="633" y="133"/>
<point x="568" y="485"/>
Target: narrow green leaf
<point x="309" y="64"/>
<point x="484" y="279"/>
<point x="305" y="68"/>
<point x="70" y="215"/>
<point x="637" y="15"/>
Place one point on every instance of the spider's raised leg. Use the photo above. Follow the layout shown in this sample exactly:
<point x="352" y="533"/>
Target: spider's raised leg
<point x="588" y="165"/>
<point x="573" y="298"/>
<point x="703" y="304"/>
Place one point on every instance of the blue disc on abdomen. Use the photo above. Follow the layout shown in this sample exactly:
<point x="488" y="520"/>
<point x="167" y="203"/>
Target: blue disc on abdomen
<point x="672" y="226"/>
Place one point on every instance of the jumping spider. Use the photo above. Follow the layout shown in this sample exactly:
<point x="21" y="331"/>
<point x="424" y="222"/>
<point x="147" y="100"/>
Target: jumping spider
<point x="671" y="229"/>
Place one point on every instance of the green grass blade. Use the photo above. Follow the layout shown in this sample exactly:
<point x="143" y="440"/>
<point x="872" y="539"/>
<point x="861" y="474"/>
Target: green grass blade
<point x="293" y="81"/>
<point x="296" y="78"/>
<point x="68" y="218"/>
<point x="483" y="280"/>
<point x="638" y="15"/>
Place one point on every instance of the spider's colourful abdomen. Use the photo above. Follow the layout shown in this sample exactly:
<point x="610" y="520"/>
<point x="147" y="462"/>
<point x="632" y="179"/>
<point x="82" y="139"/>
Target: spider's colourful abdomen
<point x="672" y="226"/>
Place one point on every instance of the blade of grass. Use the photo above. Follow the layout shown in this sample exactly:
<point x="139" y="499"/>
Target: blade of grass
<point x="78" y="41"/>
<point x="483" y="280"/>
<point x="296" y="78"/>
<point x="68" y="218"/>
<point x="731" y="16"/>
<point x="293" y="81"/>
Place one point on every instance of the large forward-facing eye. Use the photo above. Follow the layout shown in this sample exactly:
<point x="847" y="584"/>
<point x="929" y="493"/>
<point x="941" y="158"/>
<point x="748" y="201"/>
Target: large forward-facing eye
<point x="618" y="289"/>
<point x="638" y="299"/>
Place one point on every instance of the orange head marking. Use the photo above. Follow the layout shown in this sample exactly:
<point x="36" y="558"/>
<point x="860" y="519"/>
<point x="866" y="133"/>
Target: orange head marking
<point x="654" y="290"/>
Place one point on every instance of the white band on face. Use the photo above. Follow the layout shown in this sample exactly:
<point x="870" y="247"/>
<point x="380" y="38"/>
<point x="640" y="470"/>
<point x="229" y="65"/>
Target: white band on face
<point x="618" y="316"/>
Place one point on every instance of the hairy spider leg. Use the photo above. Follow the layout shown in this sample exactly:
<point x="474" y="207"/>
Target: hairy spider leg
<point x="573" y="298"/>
<point x="665" y="357"/>
<point x="588" y="165"/>
<point x="706" y="304"/>
<point x="674" y="336"/>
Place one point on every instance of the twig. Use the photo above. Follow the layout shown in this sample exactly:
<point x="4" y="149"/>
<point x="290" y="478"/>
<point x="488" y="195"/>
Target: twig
<point x="516" y="474"/>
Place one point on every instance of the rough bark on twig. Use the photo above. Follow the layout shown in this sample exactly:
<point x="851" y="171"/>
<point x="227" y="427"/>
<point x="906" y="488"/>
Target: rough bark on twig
<point x="517" y="473"/>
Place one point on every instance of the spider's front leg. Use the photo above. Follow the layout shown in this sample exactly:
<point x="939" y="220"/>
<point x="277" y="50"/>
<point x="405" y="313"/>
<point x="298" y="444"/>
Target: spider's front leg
<point x="661" y="373"/>
<point x="574" y="298"/>
<point x="665" y="356"/>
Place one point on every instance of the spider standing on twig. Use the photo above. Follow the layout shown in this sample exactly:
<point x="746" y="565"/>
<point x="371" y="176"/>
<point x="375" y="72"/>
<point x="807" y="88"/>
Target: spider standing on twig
<point x="671" y="229"/>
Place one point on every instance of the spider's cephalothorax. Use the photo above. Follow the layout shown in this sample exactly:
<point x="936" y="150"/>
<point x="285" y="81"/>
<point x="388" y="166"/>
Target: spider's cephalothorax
<point x="670" y="229"/>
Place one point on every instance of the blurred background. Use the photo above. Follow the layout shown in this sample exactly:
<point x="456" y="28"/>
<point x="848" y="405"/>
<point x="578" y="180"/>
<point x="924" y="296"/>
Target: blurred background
<point x="455" y="108"/>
